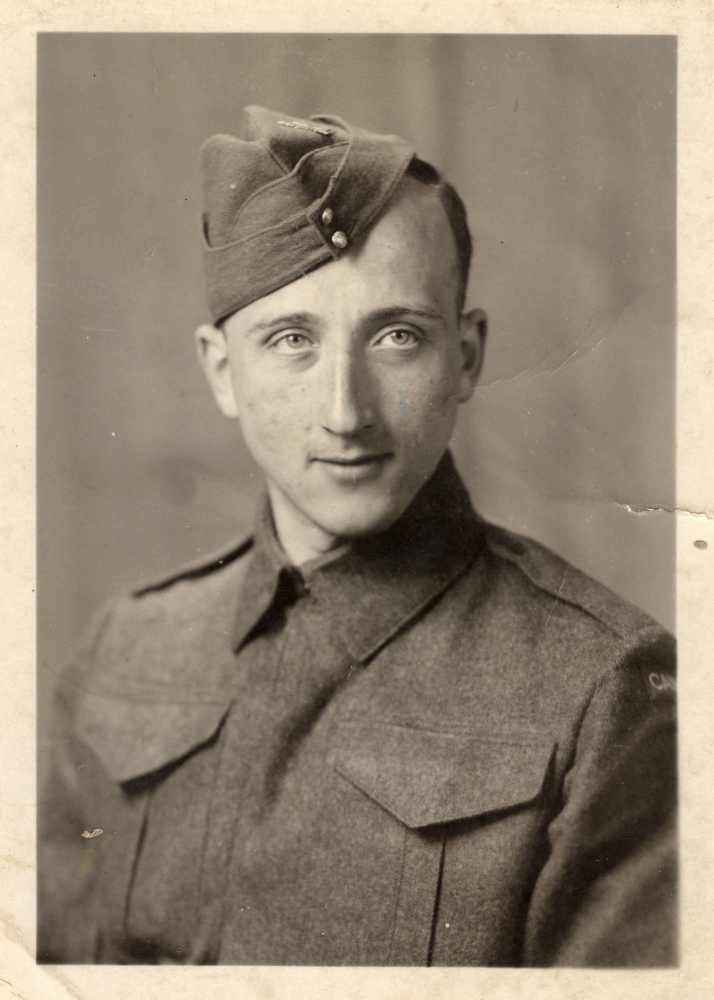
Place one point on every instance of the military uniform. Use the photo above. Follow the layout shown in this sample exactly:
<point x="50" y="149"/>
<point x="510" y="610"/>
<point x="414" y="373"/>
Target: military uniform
<point x="440" y="745"/>
<point x="437" y="745"/>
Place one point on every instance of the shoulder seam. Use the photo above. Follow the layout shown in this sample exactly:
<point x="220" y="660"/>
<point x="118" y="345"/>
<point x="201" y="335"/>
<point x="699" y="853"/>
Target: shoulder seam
<point x="196" y="570"/>
<point x="511" y="554"/>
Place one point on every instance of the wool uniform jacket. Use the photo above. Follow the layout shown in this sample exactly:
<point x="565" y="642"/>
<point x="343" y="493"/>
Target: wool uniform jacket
<point x="463" y="755"/>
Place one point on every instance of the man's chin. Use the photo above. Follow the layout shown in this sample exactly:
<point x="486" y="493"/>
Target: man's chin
<point x="355" y="517"/>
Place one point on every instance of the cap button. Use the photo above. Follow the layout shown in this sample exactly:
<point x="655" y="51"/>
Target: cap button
<point x="327" y="217"/>
<point x="339" y="239"/>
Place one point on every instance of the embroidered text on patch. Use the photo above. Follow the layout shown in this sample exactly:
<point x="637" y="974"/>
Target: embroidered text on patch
<point x="322" y="130"/>
<point x="659" y="684"/>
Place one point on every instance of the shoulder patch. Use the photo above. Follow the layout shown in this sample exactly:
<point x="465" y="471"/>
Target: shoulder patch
<point x="198" y="568"/>
<point x="659" y="683"/>
<point x="566" y="583"/>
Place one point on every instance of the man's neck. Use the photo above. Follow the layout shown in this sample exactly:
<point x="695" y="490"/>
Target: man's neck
<point x="300" y="538"/>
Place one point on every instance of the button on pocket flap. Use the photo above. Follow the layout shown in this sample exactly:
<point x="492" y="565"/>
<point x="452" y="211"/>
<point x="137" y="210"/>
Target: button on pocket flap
<point x="134" y="738"/>
<point x="424" y="777"/>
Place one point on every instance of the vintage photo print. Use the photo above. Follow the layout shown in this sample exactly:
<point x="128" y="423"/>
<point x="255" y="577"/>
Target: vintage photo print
<point x="356" y="468"/>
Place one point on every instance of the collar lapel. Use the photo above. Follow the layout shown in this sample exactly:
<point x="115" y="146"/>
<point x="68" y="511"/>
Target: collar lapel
<point x="385" y="581"/>
<point x="260" y="584"/>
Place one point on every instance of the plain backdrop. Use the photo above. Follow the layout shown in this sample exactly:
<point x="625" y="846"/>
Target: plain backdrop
<point x="563" y="149"/>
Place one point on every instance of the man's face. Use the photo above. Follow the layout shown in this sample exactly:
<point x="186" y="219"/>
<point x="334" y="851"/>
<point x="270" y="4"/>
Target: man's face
<point x="346" y="382"/>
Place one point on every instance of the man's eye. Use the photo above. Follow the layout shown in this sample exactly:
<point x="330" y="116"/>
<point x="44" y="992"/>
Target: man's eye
<point x="399" y="338"/>
<point x="289" y="343"/>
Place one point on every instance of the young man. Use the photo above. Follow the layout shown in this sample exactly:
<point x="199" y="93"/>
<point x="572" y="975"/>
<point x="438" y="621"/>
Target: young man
<point x="379" y="731"/>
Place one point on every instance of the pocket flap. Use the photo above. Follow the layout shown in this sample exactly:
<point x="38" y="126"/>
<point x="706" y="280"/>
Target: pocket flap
<point x="135" y="738"/>
<point x="424" y="777"/>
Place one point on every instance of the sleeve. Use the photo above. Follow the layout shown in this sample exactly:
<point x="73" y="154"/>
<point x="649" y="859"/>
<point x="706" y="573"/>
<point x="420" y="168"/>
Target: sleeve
<point x="76" y="797"/>
<point x="606" y="896"/>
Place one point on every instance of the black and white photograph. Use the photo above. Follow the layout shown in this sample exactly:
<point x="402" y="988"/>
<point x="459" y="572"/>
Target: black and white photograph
<point x="356" y="490"/>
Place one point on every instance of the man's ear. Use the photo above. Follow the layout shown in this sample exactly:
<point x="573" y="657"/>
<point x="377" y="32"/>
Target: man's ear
<point x="212" y="349"/>
<point x="472" y="336"/>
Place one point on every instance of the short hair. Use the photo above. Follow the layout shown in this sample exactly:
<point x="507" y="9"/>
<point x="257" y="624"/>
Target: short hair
<point x="456" y="214"/>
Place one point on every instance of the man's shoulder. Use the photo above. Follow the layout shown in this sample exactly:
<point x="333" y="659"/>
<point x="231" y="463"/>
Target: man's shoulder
<point x="165" y="618"/>
<point x="196" y="570"/>
<point x="188" y="589"/>
<point x="578" y="630"/>
<point x="558" y="580"/>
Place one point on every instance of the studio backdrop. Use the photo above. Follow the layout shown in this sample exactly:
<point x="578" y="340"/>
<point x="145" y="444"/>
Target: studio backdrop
<point x="563" y="149"/>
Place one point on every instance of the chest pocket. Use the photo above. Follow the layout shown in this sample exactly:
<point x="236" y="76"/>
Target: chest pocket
<point x="137" y="738"/>
<point x="427" y="780"/>
<point x="424" y="777"/>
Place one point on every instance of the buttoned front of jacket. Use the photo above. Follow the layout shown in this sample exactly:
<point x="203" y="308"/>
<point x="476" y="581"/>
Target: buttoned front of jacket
<point x="439" y="746"/>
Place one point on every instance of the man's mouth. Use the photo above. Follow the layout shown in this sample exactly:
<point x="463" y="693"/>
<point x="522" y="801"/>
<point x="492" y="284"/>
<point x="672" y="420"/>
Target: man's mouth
<point x="354" y="468"/>
<point x="350" y="461"/>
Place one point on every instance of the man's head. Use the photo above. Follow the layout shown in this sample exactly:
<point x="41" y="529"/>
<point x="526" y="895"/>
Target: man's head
<point x="346" y="379"/>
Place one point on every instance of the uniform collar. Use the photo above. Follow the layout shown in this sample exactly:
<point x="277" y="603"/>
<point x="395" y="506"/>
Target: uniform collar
<point x="373" y="587"/>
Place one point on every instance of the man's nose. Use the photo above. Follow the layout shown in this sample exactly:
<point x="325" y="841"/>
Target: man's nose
<point x="348" y="402"/>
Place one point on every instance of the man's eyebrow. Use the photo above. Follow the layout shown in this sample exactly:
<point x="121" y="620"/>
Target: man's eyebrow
<point x="289" y="319"/>
<point x="401" y="312"/>
<point x="385" y="315"/>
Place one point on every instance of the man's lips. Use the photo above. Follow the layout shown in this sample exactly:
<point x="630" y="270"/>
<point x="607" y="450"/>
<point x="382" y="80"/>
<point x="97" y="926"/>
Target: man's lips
<point x="353" y="460"/>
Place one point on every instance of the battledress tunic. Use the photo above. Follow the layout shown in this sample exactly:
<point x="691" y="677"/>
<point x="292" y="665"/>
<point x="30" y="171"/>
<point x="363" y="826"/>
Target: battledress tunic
<point x="440" y="745"/>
